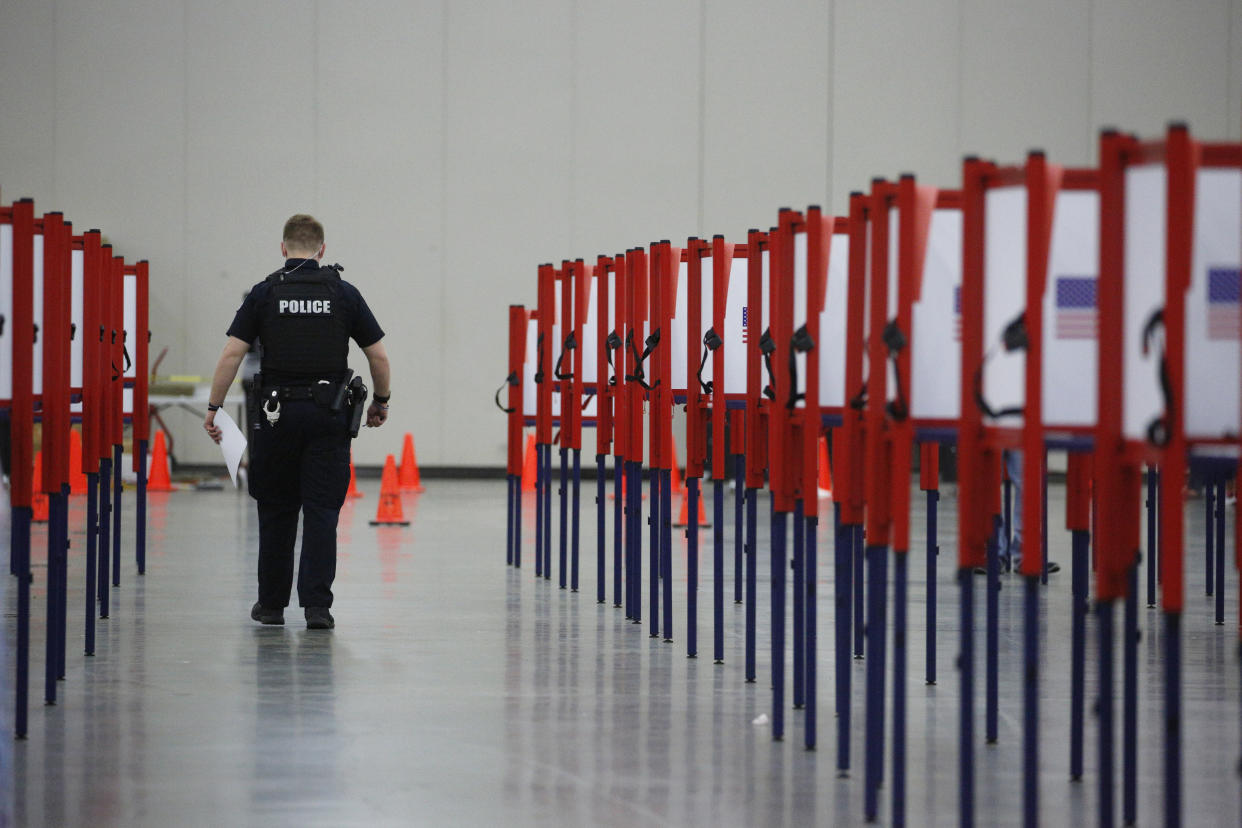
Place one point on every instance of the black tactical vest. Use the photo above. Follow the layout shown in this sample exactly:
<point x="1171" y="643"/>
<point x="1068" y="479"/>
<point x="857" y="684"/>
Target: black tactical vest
<point x="304" y="325"/>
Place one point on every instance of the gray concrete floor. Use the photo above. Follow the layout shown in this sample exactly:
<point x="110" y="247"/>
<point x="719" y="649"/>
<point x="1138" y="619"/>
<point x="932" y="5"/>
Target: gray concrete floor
<point x="458" y="691"/>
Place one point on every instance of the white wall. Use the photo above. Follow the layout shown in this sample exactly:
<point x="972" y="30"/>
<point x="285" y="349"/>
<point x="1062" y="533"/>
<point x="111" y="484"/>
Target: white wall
<point x="452" y="147"/>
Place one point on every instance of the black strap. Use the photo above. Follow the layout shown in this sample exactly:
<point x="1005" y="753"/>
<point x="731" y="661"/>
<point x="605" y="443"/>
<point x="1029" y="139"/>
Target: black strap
<point x="612" y="343"/>
<point x="3" y="319"/>
<point x="512" y="379"/>
<point x="36" y="333"/>
<point x="639" y="376"/>
<point x="800" y="342"/>
<point x="711" y="341"/>
<point x="1013" y="338"/>
<point x="570" y="345"/>
<point x="766" y="347"/>
<point x="895" y="340"/>
<point x="1160" y="429"/>
<point x="539" y="359"/>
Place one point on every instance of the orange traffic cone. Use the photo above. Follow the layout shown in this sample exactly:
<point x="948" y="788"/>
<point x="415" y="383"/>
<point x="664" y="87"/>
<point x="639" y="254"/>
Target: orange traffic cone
<point x="353" y="481"/>
<point x="683" y="515"/>
<point x="824" y="481"/>
<point x="389" y="512"/>
<point x="159" y="480"/>
<point x="38" y="498"/>
<point x="678" y="488"/>
<point x="530" y="465"/>
<point x="77" y="480"/>
<point x="409" y="479"/>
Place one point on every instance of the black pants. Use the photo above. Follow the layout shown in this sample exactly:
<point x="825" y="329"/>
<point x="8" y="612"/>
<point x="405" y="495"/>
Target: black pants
<point x="300" y="464"/>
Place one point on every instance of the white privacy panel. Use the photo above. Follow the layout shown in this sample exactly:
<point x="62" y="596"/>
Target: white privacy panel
<point x="1004" y="268"/>
<point x="77" y="265"/>
<point x="737" y="329"/>
<point x="1212" y="310"/>
<point x="1144" y="276"/>
<point x="6" y="312"/>
<point x="799" y="307"/>
<point x="37" y="363"/>
<point x="894" y="233"/>
<point x="936" y="343"/>
<point x="1070" y="327"/>
<point x="590" y="332"/>
<point x="831" y="344"/>
<point x="678" y="329"/>
<point x="129" y="288"/>
<point x="556" y="348"/>
<point x="706" y="313"/>
<point x="529" y="367"/>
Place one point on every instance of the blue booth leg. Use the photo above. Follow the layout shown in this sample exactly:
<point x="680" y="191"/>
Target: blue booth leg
<point x="843" y="568"/>
<point x="116" y="516"/>
<point x="618" y="531"/>
<point x="739" y="534"/>
<point x="1152" y="526"/>
<point x="1081" y="542"/>
<point x="933" y="550"/>
<point x="966" y="701"/>
<point x="1173" y="719"/>
<point x="779" y="528"/>
<point x="563" y="548"/>
<point x="19" y="540"/>
<point x="1104" y="713"/>
<point x="877" y="594"/>
<point x="517" y="521"/>
<point x="1220" y="552"/>
<point x="859" y="609"/>
<point x="811" y="563"/>
<point x="900" y="577"/>
<point x="575" y="514"/>
<point x="992" y="654"/>
<point x="799" y="623"/>
<point x="718" y="568"/>
<point x="105" y="533"/>
<point x="692" y="568"/>
<point x="1030" y="717"/>
<point x="1129" y="712"/>
<point x="140" y="514"/>
<point x="752" y="576"/>
<point x="601" y="537"/>
<point x="92" y="537"/>
<point x="653" y="560"/>
<point x="666" y="548"/>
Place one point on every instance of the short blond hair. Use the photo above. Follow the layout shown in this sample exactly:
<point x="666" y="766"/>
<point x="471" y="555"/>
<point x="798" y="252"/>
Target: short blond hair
<point x="303" y="233"/>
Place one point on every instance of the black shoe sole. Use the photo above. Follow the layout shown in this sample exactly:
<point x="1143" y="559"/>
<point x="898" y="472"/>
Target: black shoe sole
<point x="268" y="620"/>
<point x="320" y="625"/>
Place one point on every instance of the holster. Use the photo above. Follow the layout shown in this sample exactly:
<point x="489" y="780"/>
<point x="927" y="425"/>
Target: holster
<point x="356" y="391"/>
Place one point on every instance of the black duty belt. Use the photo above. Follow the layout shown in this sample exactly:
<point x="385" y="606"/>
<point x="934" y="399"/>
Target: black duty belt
<point x="320" y="391"/>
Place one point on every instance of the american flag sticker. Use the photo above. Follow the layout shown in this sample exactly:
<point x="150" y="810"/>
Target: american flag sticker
<point x="1223" y="317"/>
<point x="1076" y="308"/>
<point x="745" y="324"/>
<point x="957" y="313"/>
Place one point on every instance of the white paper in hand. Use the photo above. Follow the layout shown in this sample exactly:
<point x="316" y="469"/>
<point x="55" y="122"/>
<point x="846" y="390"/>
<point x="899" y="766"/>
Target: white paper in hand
<point x="232" y="442"/>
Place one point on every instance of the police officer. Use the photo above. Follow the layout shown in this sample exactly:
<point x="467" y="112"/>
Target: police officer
<point x="305" y="315"/>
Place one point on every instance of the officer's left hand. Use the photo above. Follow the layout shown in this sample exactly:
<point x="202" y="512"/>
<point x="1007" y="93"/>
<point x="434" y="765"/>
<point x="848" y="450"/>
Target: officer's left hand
<point x="213" y="430"/>
<point x="377" y="415"/>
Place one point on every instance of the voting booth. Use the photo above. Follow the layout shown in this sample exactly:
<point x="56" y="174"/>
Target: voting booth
<point x="62" y="300"/>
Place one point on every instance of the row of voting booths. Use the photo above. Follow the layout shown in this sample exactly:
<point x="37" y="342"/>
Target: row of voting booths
<point x="73" y="361"/>
<point x="1036" y="307"/>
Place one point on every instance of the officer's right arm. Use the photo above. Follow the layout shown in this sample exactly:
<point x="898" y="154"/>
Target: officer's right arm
<point x="226" y="369"/>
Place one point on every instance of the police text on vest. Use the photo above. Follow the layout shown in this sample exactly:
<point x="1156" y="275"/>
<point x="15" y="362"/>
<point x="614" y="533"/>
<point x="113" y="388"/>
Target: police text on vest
<point x="305" y="306"/>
